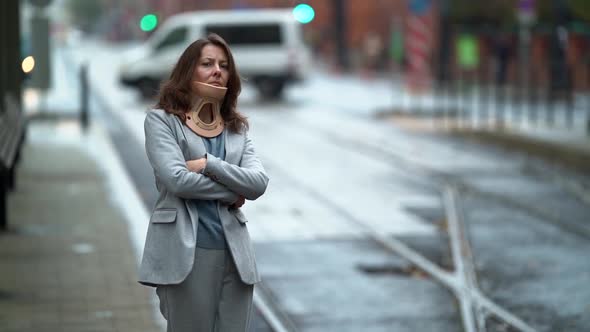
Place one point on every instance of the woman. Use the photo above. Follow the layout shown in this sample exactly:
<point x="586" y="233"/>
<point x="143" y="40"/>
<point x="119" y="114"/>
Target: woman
<point x="198" y="252"/>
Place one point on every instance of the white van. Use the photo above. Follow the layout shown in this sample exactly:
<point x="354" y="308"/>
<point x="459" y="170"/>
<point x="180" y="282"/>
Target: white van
<point x="267" y="45"/>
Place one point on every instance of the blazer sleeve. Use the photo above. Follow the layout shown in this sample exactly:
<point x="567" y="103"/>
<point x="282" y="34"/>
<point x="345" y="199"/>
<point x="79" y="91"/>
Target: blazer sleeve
<point x="169" y="165"/>
<point x="248" y="179"/>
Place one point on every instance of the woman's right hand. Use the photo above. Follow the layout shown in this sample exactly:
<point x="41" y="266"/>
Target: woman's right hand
<point x="197" y="165"/>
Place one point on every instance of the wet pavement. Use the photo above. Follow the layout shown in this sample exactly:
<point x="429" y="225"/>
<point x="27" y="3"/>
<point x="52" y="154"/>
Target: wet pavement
<point x="67" y="261"/>
<point x="532" y="268"/>
<point x="510" y="212"/>
<point x="343" y="182"/>
<point x="344" y="285"/>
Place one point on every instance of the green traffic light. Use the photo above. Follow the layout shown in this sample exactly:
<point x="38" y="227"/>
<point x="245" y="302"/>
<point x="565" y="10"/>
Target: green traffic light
<point x="303" y="13"/>
<point x="148" y="22"/>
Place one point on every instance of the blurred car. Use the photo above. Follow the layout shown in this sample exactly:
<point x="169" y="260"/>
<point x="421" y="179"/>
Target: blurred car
<point x="267" y="45"/>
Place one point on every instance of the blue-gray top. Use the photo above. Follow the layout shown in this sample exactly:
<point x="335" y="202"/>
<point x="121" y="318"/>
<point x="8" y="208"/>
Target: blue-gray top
<point x="210" y="232"/>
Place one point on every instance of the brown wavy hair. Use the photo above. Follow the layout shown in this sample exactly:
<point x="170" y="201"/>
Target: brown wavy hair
<point x="175" y="95"/>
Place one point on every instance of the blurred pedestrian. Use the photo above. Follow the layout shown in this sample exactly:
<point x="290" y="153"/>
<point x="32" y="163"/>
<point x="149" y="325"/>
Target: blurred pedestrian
<point x="503" y="50"/>
<point x="373" y="50"/>
<point x="197" y="252"/>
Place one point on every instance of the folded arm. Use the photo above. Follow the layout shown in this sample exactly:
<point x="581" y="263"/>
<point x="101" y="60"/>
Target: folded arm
<point x="169" y="165"/>
<point x="247" y="179"/>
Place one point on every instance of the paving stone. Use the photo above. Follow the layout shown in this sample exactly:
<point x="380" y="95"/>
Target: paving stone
<point x="66" y="260"/>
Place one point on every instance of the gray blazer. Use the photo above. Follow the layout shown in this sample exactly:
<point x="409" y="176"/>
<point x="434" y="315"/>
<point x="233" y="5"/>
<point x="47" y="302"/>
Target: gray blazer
<point x="169" y="250"/>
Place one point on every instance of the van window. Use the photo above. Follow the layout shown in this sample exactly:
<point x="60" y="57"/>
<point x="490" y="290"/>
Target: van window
<point x="176" y="37"/>
<point x="251" y="34"/>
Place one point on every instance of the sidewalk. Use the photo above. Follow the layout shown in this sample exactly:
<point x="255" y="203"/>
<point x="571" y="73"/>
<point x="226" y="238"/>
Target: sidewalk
<point x="559" y="146"/>
<point x="68" y="262"/>
<point x="560" y="143"/>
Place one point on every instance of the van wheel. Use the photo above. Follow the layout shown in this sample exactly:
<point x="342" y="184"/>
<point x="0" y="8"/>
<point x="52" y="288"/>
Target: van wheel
<point x="148" y="88"/>
<point x="270" y="88"/>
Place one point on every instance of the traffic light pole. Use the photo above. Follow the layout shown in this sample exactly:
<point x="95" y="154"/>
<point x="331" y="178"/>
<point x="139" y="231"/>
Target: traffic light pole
<point x="339" y="7"/>
<point x="444" y="52"/>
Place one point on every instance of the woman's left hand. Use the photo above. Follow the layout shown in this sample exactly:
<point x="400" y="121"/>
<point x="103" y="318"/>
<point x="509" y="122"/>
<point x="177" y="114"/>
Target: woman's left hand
<point x="239" y="203"/>
<point x="196" y="165"/>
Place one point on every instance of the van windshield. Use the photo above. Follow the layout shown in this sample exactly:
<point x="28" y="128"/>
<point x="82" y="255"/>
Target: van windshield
<point x="176" y="37"/>
<point x="251" y="34"/>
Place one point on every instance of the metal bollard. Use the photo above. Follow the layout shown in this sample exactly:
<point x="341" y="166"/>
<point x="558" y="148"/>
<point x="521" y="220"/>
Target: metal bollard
<point x="84" y="100"/>
<point x="3" y="200"/>
<point x="550" y="115"/>
<point x="569" y="107"/>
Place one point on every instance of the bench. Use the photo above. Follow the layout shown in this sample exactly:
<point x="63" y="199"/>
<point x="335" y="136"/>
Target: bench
<point x="12" y="134"/>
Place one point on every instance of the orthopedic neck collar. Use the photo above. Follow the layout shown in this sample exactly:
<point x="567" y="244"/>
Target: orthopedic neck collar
<point x="208" y="94"/>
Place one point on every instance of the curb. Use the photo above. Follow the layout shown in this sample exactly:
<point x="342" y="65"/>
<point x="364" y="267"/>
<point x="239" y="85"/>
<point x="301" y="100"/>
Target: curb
<point x="563" y="154"/>
<point x="568" y="156"/>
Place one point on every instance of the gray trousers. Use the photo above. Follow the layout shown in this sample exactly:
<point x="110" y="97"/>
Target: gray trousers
<point x="212" y="298"/>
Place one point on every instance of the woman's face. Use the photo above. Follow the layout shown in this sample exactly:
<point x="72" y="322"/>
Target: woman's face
<point x="213" y="67"/>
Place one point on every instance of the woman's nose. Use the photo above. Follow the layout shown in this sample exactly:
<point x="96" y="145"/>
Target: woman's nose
<point x="216" y="69"/>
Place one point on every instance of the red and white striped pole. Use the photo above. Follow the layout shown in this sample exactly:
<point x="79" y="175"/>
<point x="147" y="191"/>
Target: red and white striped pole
<point x="419" y="37"/>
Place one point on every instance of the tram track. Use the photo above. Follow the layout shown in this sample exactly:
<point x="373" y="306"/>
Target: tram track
<point x="441" y="178"/>
<point x="476" y="307"/>
<point x="462" y="282"/>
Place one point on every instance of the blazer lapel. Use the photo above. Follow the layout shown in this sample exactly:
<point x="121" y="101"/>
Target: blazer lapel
<point x="191" y="144"/>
